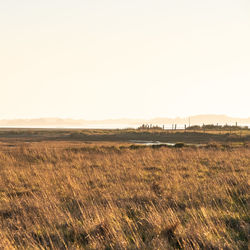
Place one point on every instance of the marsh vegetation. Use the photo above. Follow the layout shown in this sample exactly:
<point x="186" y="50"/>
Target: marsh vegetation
<point x="69" y="195"/>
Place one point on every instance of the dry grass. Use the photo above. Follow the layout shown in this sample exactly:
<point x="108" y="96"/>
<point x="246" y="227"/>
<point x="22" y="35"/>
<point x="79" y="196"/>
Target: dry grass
<point x="94" y="197"/>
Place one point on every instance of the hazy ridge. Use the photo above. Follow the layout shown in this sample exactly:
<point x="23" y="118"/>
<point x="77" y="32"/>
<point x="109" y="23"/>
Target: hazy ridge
<point x="197" y="119"/>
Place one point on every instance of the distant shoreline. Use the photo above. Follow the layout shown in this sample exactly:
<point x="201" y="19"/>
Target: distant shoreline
<point x="123" y="123"/>
<point x="102" y="126"/>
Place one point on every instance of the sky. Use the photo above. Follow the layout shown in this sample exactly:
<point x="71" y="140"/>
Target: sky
<point x="100" y="59"/>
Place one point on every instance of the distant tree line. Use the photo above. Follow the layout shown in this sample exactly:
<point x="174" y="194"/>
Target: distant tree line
<point x="150" y="126"/>
<point x="217" y="127"/>
<point x="196" y="127"/>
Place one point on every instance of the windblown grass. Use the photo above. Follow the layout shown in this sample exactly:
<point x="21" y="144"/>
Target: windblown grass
<point x="96" y="197"/>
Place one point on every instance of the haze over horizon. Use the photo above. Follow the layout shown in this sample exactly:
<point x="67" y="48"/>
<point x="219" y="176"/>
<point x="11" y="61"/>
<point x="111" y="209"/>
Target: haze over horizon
<point x="129" y="118"/>
<point x="124" y="123"/>
<point x="113" y="59"/>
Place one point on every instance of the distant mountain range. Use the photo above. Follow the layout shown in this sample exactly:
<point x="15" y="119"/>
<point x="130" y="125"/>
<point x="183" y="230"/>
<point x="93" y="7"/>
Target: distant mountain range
<point x="193" y="120"/>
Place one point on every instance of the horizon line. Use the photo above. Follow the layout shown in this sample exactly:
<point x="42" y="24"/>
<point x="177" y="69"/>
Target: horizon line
<point x="121" y="118"/>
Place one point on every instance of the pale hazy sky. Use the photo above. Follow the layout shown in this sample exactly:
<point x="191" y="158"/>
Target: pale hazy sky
<point x="97" y="59"/>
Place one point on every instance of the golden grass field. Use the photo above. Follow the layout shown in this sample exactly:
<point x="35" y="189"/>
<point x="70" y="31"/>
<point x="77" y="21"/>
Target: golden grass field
<point x="59" y="191"/>
<point x="76" y="195"/>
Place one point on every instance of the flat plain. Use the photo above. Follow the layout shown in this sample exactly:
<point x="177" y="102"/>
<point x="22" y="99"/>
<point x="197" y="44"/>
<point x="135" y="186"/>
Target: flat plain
<point x="94" y="189"/>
